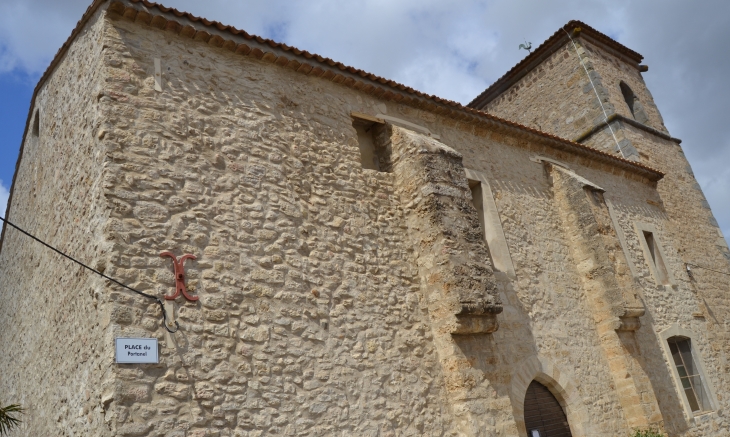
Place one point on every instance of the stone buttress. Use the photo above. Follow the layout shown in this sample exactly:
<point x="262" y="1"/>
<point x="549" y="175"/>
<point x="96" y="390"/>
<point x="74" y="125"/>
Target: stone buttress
<point x="610" y="290"/>
<point x="454" y="266"/>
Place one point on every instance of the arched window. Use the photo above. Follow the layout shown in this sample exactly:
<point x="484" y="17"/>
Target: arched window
<point x="695" y="390"/>
<point x="635" y="106"/>
<point x="690" y="375"/>
<point x="544" y="417"/>
<point x="629" y="97"/>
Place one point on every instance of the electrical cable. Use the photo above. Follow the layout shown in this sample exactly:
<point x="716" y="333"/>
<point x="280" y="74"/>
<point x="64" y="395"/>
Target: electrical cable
<point x="149" y="296"/>
<point x="605" y="114"/>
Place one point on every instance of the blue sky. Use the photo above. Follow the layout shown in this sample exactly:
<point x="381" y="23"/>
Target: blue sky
<point x="452" y="49"/>
<point x="16" y="90"/>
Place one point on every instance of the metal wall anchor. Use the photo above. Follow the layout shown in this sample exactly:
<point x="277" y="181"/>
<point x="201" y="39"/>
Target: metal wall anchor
<point x="179" y="275"/>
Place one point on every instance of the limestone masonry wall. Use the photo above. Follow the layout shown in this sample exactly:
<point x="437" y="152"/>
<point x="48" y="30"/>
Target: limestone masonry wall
<point x="55" y="338"/>
<point x="681" y="213"/>
<point x="309" y="294"/>
<point x="609" y="70"/>
<point x="336" y="300"/>
<point x="309" y="321"/>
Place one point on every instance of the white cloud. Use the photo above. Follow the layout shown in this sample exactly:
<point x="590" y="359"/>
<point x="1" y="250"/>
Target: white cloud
<point x="31" y="31"/>
<point x="715" y="186"/>
<point x="4" y="194"/>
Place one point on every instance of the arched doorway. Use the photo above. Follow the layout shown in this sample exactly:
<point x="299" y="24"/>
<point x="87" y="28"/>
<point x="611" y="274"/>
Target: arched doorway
<point x="544" y="417"/>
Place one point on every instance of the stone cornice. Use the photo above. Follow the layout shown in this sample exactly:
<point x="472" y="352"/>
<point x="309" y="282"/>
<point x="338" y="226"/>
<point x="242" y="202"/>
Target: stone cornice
<point x="618" y="117"/>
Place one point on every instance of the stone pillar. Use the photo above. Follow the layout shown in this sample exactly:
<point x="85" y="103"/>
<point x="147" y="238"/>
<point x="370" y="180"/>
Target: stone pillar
<point x="609" y="288"/>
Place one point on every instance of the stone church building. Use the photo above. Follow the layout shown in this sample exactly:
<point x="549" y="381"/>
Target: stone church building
<point x="369" y="260"/>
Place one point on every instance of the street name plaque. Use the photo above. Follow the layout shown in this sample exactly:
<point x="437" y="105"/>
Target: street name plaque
<point x="136" y="350"/>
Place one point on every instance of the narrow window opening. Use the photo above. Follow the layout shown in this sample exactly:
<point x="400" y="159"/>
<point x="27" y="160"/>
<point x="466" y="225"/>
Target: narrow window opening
<point x="656" y="258"/>
<point x="478" y="201"/>
<point x="649" y="237"/>
<point x="629" y="97"/>
<point x="372" y="157"/>
<point x="689" y="374"/>
<point x="489" y="223"/>
<point x="635" y="106"/>
<point x="36" y="130"/>
<point x="368" y="157"/>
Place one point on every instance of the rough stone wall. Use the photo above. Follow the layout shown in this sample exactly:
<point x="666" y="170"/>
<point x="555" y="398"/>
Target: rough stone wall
<point x="312" y="318"/>
<point x="689" y="234"/>
<point x="666" y="305"/>
<point x="677" y="209"/>
<point x="610" y="69"/>
<point x="443" y="226"/>
<point x="679" y="190"/>
<point x="614" y="303"/>
<point x="519" y="193"/>
<point x="546" y="314"/>
<point x="544" y="309"/>
<point x="456" y="275"/>
<point x="256" y="170"/>
<point x="551" y="98"/>
<point x="56" y="345"/>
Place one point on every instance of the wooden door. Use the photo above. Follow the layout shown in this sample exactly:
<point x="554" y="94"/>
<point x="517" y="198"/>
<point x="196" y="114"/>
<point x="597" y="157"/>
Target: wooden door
<point x="544" y="417"/>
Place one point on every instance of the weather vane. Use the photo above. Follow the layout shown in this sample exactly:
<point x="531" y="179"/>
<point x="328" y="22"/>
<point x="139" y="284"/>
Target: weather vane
<point x="527" y="46"/>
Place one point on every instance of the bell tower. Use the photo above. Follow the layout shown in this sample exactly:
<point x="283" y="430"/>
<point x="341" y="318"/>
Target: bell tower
<point x="576" y="85"/>
<point x="584" y="86"/>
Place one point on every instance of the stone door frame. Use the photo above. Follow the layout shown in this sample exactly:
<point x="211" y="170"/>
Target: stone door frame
<point x="560" y="385"/>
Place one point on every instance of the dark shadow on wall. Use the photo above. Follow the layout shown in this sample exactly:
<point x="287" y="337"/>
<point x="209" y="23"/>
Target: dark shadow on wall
<point x="644" y="347"/>
<point x="494" y="358"/>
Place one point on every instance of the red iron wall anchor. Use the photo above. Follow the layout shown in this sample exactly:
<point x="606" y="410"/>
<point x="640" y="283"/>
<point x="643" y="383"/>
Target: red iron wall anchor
<point x="179" y="275"/>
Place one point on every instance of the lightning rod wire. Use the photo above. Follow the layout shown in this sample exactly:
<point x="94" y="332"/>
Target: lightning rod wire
<point x="605" y="114"/>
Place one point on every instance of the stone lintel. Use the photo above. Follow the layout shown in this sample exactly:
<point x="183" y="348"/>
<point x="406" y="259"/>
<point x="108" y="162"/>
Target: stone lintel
<point x="630" y="323"/>
<point x="468" y="324"/>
